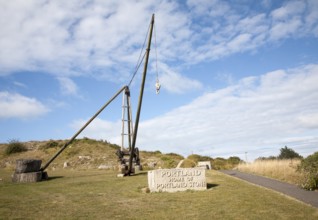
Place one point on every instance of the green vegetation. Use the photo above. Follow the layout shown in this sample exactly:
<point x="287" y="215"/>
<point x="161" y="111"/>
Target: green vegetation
<point x="309" y="168"/>
<point x="196" y="158"/>
<point x="285" y="153"/>
<point x="288" y="166"/>
<point x="288" y="153"/>
<point x="217" y="163"/>
<point x="187" y="163"/>
<point x="95" y="153"/>
<point x="94" y="194"/>
<point x="103" y="152"/>
<point x="50" y="144"/>
<point x="170" y="160"/>
<point x="15" y="146"/>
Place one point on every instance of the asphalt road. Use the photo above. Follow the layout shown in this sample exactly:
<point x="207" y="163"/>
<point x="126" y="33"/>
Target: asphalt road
<point x="309" y="197"/>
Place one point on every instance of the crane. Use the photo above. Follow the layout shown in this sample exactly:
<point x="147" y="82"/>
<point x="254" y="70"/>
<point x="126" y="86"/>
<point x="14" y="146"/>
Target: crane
<point x="132" y="152"/>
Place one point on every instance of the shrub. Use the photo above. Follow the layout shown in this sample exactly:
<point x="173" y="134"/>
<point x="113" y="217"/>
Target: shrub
<point x="157" y="152"/>
<point x="15" y="146"/>
<point x="187" y="163"/>
<point x="234" y="161"/>
<point x="175" y="156"/>
<point x="219" y="163"/>
<point x="49" y="144"/>
<point x="196" y="158"/>
<point x="309" y="168"/>
<point x="114" y="146"/>
<point x="168" y="161"/>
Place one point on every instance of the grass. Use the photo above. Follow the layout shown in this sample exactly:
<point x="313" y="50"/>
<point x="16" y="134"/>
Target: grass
<point x="284" y="170"/>
<point x="99" y="152"/>
<point x="94" y="194"/>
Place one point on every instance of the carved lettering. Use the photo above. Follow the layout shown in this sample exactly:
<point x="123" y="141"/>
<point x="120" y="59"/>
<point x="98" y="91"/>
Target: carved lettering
<point x="172" y="180"/>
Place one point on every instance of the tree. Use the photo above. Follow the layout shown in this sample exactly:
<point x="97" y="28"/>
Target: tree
<point x="288" y="153"/>
<point x="234" y="160"/>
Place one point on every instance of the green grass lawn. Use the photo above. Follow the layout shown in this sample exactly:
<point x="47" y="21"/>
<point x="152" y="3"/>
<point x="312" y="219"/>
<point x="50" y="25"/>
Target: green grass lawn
<point x="94" y="194"/>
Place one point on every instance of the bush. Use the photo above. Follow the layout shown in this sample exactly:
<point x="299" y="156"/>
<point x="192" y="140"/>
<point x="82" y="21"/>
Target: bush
<point x="168" y="161"/>
<point x="49" y="144"/>
<point x="196" y="158"/>
<point x="175" y="156"/>
<point x="187" y="163"/>
<point x="234" y="161"/>
<point x="15" y="146"/>
<point x="219" y="163"/>
<point x="309" y="168"/>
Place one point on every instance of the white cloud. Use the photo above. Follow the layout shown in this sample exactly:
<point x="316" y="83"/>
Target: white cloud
<point x="68" y="87"/>
<point x="210" y="7"/>
<point x="100" y="129"/>
<point x="290" y="9"/>
<point x="286" y="28"/>
<point x="309" y="120"/>
<point x="174" y="82"/>
<point x="102" y="38"/>
<point x="239" y="42"/>
<point x="14" y="105"/>
<point x="258" y="112"/>
<point x="311" y="17"/>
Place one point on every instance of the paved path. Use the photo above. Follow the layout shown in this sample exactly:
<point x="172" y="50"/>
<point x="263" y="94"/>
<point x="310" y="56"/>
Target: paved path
<point x="309" y="197"/>
<point x="179" y="164"/>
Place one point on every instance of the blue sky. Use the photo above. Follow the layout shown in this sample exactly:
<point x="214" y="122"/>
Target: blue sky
<point x="236" y="77"/>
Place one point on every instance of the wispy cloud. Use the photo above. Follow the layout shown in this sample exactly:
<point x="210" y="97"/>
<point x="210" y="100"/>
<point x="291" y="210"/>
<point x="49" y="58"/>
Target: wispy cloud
<point x="218" y="35"/>
<point x="14" y="105"/>
<point x="102" y="39"/>
<point x="174" y="82"/>
<point x="68" y="87"/>
<point x="19" y="84"/>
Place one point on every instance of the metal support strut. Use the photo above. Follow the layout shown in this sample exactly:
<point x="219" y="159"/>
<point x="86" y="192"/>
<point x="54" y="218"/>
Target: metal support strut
<point x="80" y="130"/>
<point x="126" y="117"/>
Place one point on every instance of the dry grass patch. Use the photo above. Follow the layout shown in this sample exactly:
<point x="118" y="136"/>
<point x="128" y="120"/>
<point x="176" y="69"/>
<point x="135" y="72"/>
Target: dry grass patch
<point x="284" y="170"/>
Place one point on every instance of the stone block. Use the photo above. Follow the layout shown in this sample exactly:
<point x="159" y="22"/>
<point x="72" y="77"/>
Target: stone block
<point x="27" y="165"/>
<point x="205" y="164"/>
<point x="27" y="177"/>
<point x="138" y="168"/>
<point x="173" y="180"/>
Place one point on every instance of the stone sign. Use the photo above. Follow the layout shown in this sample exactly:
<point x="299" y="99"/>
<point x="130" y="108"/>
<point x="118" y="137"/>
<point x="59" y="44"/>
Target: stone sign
<point x="173" y="180"/>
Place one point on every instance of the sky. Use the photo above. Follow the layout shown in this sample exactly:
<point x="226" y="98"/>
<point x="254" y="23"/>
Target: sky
<point x="238" y="78"/>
